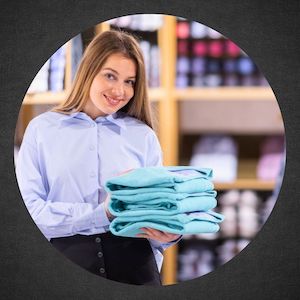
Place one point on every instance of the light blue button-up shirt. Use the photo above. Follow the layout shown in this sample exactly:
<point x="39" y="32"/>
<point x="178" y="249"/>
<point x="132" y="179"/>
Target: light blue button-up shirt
<point x="64" y="162"/>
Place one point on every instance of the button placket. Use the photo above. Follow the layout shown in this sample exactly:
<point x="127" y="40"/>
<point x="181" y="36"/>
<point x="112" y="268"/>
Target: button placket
<point x="92" y="147"/>
<point x="101" y="265"/>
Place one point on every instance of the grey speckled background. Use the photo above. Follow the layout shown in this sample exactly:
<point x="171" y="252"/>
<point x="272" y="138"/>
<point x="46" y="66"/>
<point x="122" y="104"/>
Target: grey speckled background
<point x="269" y="267"/>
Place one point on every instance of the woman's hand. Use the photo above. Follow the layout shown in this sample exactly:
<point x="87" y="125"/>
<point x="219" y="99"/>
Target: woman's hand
<point x="158" y="235"/>
<point x="106" y="204"/>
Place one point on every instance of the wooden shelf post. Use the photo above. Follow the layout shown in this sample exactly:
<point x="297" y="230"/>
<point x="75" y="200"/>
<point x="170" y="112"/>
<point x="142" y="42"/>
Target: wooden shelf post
<point x="168" y="121"/>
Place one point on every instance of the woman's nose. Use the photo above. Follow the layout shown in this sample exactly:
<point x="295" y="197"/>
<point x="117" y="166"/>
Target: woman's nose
<point x="118" y="90"/>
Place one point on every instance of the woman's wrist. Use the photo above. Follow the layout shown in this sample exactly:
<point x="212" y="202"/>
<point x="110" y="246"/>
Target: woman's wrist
<point x="106" y="204"/>
<point x="108" y="214"/>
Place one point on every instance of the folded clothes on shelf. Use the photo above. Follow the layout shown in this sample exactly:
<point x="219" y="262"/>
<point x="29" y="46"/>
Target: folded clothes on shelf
<point x="218" y="152"/>
<point x="40" y="81"/>
<point x="229" y="198"/>
<point x="76" y="53"/>
<point x="191" y="223"/>
<point x="57" y="70"/>
<point x="249" y="198"/>
<point x="271" y="156"/>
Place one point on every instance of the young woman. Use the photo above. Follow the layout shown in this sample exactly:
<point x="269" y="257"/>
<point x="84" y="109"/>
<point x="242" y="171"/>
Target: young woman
<point x="103" y="129"/>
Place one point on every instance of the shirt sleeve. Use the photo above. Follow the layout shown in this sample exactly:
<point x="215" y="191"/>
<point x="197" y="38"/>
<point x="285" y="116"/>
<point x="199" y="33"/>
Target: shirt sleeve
<point x="155" y="158"/>
<point x="154" y="155"/>
<point x="55" y="218"/>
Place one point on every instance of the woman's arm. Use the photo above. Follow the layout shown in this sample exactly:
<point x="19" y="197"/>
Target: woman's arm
<point x="54" y="217"/>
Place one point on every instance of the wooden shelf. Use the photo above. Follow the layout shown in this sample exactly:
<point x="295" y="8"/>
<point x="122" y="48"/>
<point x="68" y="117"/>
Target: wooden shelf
<point x="246" y="184"/>
<point x="45" y="98"/>
<point x="225" y="93"/>
<point x="155" y="94"/>
<point x="246" y="178"/>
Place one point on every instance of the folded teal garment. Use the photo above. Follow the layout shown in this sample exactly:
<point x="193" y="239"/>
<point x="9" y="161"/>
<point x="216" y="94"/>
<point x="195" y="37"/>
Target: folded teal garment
<point x="143" y="194"/>
<point x="192" y="223"/>
<point x="159" y="177"/>
<point x="192" y="186"/>
<point x="162" y="206"/>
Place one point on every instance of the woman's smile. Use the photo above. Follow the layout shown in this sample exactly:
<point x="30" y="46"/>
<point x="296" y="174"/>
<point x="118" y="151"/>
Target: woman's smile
<point x="112" y="101"/>
<point x="113" y="87"/>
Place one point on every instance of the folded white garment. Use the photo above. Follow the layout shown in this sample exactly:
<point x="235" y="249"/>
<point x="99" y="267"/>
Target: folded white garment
<point x="218" y="152"/>
<point x="224" y="165"/>
<point x="221" y="144"/>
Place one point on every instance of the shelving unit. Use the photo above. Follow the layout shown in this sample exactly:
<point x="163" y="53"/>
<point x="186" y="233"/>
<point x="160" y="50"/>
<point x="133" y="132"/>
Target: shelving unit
<point x="169" y="100"/>
<point x="45" y="98"/>
<point x="225" y="93"/>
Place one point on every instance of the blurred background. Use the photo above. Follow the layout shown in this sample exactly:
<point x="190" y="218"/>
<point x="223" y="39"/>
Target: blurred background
<point x="213" y="108"/>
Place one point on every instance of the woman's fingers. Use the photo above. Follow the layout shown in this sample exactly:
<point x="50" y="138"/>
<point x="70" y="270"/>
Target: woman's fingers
<point x="158" y="235"/>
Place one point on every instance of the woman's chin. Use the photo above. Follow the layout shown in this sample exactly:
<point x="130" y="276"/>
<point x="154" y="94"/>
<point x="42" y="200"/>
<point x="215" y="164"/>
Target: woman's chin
<point x="110" y="111"/>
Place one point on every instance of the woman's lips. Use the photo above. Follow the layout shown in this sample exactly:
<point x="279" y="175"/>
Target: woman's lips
<point x="112" y="101"/>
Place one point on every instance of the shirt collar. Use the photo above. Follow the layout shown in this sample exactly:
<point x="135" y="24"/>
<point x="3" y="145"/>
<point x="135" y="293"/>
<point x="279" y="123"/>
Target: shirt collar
<point x="115" y="118"/>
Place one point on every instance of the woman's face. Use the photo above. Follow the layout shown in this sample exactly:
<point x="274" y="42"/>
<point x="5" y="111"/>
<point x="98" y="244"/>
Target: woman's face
<point x="113" y="87"/>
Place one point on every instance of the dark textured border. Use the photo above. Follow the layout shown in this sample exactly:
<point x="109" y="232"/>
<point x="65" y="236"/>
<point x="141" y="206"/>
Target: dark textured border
<point x="269" y="267"/>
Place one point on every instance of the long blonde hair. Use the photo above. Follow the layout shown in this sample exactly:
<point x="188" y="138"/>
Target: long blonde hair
<point x="100" y="48"/>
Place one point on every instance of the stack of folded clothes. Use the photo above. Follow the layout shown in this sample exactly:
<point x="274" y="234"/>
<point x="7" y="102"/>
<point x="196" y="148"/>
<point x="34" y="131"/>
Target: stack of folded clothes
<point x="177" y="199"/>
<point x="271" y="157"/>
<point x="219" y="152"/>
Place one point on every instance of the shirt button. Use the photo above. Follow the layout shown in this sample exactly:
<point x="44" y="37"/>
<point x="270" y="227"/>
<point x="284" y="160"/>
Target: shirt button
<point x="100" y="254"/>
<point x="92" y="174"/>
<point x="102" y="270"/>
<point x="98" y="240"/>
<point x="93" y="125"/>
<point x="92" y="147"/>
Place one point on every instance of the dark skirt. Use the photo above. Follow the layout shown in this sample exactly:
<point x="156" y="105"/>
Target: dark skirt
<point x="122" y="259"/>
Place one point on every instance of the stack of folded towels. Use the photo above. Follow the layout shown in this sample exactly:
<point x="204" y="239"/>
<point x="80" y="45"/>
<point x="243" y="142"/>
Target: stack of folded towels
<point x="176" y="199"/>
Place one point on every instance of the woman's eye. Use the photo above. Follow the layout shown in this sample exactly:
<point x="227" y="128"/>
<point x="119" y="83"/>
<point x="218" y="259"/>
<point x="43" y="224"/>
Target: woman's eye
<point x="131" y="82"/>
<point x="109" y="76"/>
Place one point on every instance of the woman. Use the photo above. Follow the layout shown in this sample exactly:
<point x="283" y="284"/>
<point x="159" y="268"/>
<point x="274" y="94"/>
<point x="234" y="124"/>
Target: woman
<point x="103" y="129"/>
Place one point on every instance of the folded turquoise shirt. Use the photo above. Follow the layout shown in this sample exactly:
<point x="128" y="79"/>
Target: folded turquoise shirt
<point x="161" y="206"/>
<point x="180" y="178"/>
<point x="193" y="223"/>
<point x="193" y="186"/>
<point x="143" y="194"/>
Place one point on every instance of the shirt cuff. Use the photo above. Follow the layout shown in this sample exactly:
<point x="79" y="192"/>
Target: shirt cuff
<point x="161" y="246"/>
<point x="100" y="218"/>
